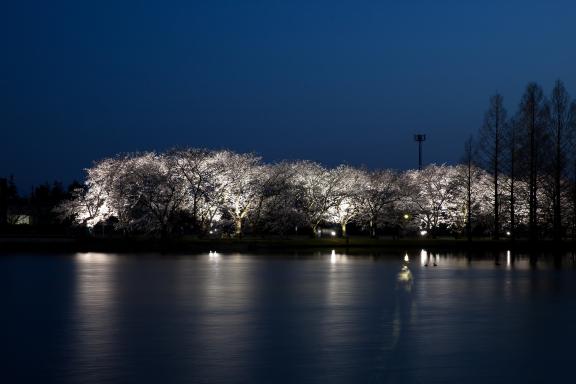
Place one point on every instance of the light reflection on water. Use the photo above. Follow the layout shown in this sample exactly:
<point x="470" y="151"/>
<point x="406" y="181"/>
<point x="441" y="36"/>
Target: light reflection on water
<point x="219" y="302"/>
<point x="94" y="316"/>
<point x="326" y="317"/>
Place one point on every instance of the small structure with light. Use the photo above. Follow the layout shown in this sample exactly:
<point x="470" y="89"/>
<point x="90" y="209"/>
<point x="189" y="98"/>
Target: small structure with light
<point x="327" y="232"/>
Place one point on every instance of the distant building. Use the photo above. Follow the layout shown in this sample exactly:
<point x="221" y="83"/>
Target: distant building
<point x="20" y="213"/>
<point x="19" y="219"/>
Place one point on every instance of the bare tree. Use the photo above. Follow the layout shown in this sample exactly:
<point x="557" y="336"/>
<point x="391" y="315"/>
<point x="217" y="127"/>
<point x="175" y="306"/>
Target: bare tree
<point x="532" y="119"/>
<point x="468" y="159"/>
<point x="490" y="151"/>
<point x="510" y="168"/>
<point x="560" y="128"/>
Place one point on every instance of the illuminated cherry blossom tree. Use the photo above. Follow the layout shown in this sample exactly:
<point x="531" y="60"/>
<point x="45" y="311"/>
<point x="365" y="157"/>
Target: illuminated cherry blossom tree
<point x="317" y="191"/>
<point x="277" y="207"/>
<point x="208" y="190"/>
<point x="92" y="204"/>
<point x="196" y="168"/>
<point x="380" y="190"/>
<point x="149" y="193"/>
<point x="241" y="181"/>
<point x="437" y="195"/>
<point x="346" y="194"/>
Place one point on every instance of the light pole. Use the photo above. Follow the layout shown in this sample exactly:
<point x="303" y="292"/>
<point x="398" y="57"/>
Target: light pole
<point x="419" y="138"/>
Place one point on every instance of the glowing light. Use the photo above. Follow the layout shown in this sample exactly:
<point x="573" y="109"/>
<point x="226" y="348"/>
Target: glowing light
<point x="333" y="233"/>
<point x="338" y="259"/>
<point x="406" y="258"/>
<point x="423" y="257"/>
<point x="423" y="232"/>
<point x="508" y="234"/>
<point x="213" y="256"/>
<point x="405" y="275"/>
<point x="508" y="258"/>
<point x="406" y="216"/>
<point x="93" y="257"/>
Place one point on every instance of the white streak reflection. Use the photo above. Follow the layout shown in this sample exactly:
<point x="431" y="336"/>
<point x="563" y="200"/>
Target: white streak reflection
<point x="336" y="258"/>
<point x="214" y="257"/>
<point x="95" y="309"/>
<point x="221" y="295"/>
<point x="339" y="318"/>
<point x="423" y="257"/>
<point x="404" y="277"/>
<point x="94" y="258"/>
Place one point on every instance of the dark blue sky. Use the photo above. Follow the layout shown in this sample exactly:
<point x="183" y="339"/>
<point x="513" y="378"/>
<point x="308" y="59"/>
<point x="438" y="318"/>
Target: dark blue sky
<point x="331" y="81"/>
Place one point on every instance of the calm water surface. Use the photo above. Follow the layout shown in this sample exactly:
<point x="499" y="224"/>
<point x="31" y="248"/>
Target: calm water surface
<point x="308" y="318"/>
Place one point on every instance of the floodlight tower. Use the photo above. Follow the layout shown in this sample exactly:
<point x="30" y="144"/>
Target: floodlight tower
<point x="420" y="138"/>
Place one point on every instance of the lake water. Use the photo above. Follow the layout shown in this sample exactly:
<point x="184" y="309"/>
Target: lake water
<point x="294" y="318"/>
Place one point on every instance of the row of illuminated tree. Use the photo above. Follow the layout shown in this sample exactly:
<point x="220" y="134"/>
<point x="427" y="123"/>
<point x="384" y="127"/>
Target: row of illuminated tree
<point x="518" y="179"/>
<point x="223" y="192"/>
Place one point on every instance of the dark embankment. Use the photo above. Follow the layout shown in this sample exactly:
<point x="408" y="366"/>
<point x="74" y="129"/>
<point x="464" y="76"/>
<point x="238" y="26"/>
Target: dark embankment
<point x="351" y="245"/>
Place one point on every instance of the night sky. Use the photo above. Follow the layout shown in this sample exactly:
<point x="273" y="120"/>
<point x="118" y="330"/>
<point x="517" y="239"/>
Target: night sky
<point x="331" y="81"/>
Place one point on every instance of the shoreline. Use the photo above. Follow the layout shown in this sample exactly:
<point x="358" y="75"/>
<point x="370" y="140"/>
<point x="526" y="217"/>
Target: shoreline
<point x="258" y="244"/>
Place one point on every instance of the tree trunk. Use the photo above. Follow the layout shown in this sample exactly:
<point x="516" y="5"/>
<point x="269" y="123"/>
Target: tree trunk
<point x="512" y="175"/>
<point x="496" y="197"/>
<point x="496" y="234"/>
<point x="557" y="176"/>
<point x="533" y="176"/>
<point x="469" y="190"/>
<point x="469" y="220"/>
<point x="238" y="227"/>
<point x="315" y="230"/>
<point x="574" y="204"/>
